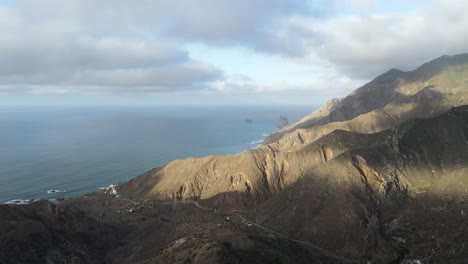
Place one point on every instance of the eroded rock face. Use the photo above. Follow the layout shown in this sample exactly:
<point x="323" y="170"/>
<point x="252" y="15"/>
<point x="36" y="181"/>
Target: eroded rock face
<point x="258" y="174"/>
<point x="362" y="195"/>
<point x="383" y="104"/>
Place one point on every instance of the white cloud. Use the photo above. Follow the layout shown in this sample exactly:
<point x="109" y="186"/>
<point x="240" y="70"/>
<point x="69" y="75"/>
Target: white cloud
<point x="62" y="51"/>
<point x="328" y="85"/>
<point x="137" y="46"/>
<point x="365" y="45"/>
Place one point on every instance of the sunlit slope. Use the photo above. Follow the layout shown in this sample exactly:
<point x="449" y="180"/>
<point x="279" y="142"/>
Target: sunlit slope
<point x="386" y="101"/>
<point x="253" y="176"/>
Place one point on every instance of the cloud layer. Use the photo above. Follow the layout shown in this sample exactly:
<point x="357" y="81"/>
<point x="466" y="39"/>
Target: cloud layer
<point x="140" y="46"/>
<point x="365" y="46"/>
<point x="66" y="49"/>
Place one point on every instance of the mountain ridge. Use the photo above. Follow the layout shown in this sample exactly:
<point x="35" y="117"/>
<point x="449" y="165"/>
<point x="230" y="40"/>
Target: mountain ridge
<point x="361" y="104"/>
<point x="269" y="165"/>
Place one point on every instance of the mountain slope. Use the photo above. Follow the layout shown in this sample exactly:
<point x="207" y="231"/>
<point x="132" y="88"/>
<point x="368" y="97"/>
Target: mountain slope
<point x="384" y="103"/>
<point x="362" y="160"/>
<point x="441" y="82"/>
<point x="41" y="232"/>
<point x="355" y="201"/>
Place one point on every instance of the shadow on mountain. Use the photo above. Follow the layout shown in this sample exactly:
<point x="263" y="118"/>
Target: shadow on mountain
<point x="440" y="77"/>
<point x="369" y="203"/>
<point x="41" y="232"/>
<point x="426" y="103"/>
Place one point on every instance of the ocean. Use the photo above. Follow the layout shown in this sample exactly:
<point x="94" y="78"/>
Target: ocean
<point x="54" y="152"/>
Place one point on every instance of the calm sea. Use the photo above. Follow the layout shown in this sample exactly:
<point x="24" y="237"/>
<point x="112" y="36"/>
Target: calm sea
<point x="77" y="150"/>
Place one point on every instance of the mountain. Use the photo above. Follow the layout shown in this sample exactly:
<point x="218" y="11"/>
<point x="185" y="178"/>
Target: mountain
<point x="386" y="101"/>
<point x="251" y="177"/>
<point x="374" y="198"/>
<point x="380" y="176"/>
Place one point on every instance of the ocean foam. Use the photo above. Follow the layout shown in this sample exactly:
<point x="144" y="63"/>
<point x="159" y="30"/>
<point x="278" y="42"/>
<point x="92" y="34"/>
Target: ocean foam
<point x="111" y="190"/>
<point x="18" y="201"/>
<point x="55" y="191"/>
<point x="260" y="141"/>
<point x="257" y="142"/>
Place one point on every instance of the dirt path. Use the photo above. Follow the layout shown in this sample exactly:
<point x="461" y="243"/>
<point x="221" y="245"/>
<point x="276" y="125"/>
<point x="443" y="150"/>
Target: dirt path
<point x="292" y="239"/>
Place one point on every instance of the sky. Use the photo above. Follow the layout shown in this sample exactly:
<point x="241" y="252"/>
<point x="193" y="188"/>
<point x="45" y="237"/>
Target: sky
<point x="202" y="52"/>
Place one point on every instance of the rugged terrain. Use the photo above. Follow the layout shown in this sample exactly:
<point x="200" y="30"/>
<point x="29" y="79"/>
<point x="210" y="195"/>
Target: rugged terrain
<point x="380" y="176"/>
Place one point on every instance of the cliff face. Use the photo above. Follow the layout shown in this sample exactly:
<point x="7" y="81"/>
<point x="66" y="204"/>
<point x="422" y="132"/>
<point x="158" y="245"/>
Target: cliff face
<point x="253" y="176"/>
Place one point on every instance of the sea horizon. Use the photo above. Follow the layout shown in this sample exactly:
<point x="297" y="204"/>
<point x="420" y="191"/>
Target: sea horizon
<point x="58" y="151"/>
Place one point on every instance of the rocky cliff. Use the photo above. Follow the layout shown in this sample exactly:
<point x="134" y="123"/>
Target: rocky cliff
<point x="253" y="176"/>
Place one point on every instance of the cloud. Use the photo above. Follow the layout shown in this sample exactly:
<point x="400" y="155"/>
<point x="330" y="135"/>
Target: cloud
<point x="139" y="45"/>
<point x="127" y="45"/>
<point x="176" y="77"/>
<point x="227" y="23"/>
<point x="327" y="85"/>
<point x="363" y="45"/>
<point x="55" y="51"/>
<point x="215" y="21"/>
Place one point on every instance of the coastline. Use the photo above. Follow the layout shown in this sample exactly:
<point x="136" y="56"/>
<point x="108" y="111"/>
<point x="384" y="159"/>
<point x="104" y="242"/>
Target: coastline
<point x="82" y="171"/>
